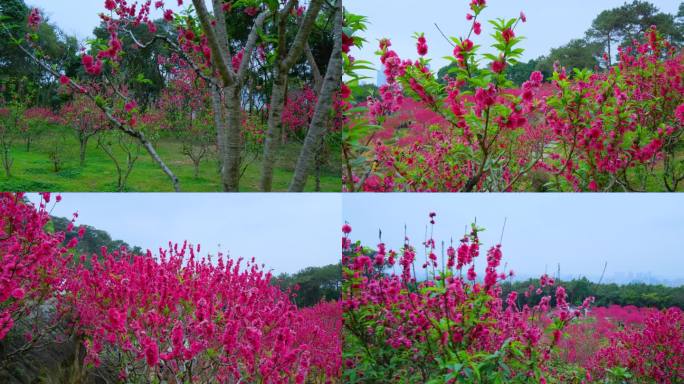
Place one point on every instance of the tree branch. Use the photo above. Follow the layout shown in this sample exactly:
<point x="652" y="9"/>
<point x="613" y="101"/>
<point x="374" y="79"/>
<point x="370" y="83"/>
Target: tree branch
<point x="176" y="49"/>
<point x="303" y="33"/>
<point x="219" y="53"/>
<point x="251" y="44"/>
<point x="320" y="120"/>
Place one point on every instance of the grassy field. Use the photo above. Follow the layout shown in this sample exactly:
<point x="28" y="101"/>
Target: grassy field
<point x="33" y="171"/>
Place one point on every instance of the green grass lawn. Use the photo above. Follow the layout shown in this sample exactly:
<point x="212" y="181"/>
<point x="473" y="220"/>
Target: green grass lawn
<point x="33" y="171"/>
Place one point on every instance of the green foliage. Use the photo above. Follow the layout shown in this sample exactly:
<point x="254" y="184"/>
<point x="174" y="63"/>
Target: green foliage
<point x="578" y="53"/>
<point x="623" y="24"/>
<point x="361" y="93"/>
<point x="93" y="239"/>
<point x="17" y="71"/>
<point x="315" y="284"/>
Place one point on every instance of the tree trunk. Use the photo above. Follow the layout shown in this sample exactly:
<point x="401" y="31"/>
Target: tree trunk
<point x="197" y="167"/>
<point x="283" y="130"/>
<point x="318" y="171"/>
<point x="233" y="141"/>
<point x="275" y="117"/>
<point x="220" y="123"/>
<point x="7" y="162"/>
<point x="321" y="117"/>
<point x="83" y="141"/>
<point x="78" y="369"/>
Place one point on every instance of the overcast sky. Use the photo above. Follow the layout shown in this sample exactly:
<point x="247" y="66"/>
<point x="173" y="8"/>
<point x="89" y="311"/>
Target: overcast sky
<point x="287" y="232"/>
<point x="550" y="23"/>
<point x="634" y="233"/>
<point x="80" y="17"/>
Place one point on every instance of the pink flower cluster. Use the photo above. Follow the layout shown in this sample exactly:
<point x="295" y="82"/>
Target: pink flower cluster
<point x="34" y="18"/>
<point x="433" y="312"/>
<point x="32" y="261"/>
<point x="170" y="310"/>
<point x="652" y="351"/>
<point x="298" y="111"/>
<point x="92" y="66"/>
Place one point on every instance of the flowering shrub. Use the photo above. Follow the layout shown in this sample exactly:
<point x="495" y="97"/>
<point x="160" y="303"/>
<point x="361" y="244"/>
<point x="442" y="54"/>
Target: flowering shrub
<point x="33" y="263"/>
<point x="184" y="112"/>
<point x="648" y="353"/>
<point x="414" y="319"/>
<point x="582" y="342"/>
<point x="34" y="121"/>
<point x="586" y="131"/>
<point x="173" y="318"/>
<point x="85" y="119"/>
<point x="450" y="326"/>
<point x="297" y="112"/>
<point x="187" y="318"/>
<point x="320" y="328"/>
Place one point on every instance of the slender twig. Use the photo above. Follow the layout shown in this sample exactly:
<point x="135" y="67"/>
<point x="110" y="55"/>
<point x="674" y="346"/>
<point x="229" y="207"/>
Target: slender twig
<point x="445" y="36"/>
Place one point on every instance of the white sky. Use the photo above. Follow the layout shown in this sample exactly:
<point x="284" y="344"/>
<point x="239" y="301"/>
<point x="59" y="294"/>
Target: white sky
<point x="634" y="233"/>
<point x="550" y="23"/>
<point x="80" y="17"/>
<point x="287" y="232"/>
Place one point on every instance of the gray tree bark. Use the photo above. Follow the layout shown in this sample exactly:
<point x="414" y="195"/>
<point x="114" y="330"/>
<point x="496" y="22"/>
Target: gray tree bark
<point x="233" y="150"/>
<point x="220" y="123"/>
<point x="321" y="118"/>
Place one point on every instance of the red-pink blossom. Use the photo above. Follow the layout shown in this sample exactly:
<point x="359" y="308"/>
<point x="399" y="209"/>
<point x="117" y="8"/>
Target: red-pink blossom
<point x="477" y="28"/>
<point x="34" y="18"/>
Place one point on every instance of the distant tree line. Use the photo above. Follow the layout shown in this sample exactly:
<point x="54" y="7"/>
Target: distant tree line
<point x="313" y="284"/>
<point x="597" y="49"/>
<point x="610" y="29"/>
<point x="93" y="239"/>
<point x="637" y="294"/>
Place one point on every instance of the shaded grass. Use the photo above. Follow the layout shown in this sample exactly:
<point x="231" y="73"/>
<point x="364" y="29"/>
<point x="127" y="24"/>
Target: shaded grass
<point x="33" y="171"/>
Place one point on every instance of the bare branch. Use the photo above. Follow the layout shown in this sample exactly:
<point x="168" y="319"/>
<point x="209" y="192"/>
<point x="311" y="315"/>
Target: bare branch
<point x="177" y="50"/>
<point x="303" y="33"/>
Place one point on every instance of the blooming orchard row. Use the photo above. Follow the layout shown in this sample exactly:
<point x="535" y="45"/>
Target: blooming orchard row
<point x="182" y="113"/>
<point x="171" y="317"/>
<point x="410" y="318"/>
<point x="618" y="129"/>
